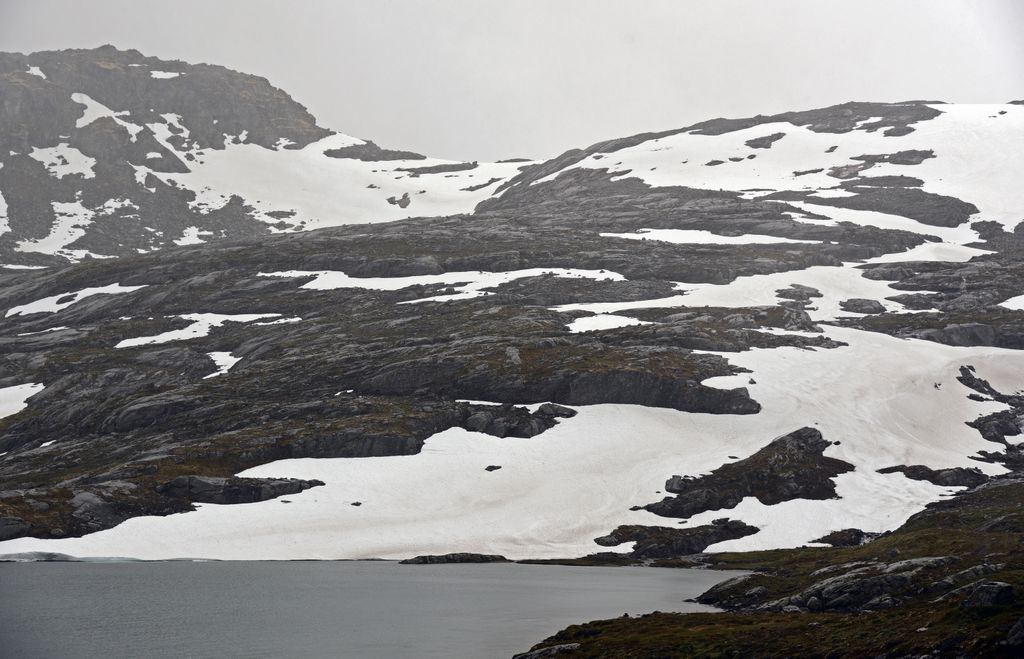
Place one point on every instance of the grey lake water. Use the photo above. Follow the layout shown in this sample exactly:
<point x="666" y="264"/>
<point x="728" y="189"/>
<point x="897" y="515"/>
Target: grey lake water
<point x="358" y="609"/>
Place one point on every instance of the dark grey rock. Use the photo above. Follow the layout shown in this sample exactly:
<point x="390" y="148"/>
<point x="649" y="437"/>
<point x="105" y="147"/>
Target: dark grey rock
<point x="12" y="527"/>
<point x="846" y="538"/>
<point x="790" y="467"/>
<point x="549" y="651"/>
<point x="764" y="142"/>
<point x="1015" y="638"/>
<point x="555" y="410"/>
<point x="666" y="542"/>
<point x="463" y="557"/>
<point x="990" y="594"/>
<point x="204" y="489"/>
<point x="862" y="305"/>
<point x="952" y="477"/>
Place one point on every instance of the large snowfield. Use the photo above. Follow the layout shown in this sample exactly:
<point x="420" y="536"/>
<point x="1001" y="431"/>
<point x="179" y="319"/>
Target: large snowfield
<point x="882" y="401"/>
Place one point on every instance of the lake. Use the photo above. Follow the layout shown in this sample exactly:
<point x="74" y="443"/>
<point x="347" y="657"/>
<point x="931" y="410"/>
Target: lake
<point x="359" y="609"/>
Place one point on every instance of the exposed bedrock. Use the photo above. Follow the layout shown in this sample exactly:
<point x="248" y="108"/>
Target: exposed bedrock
<point x="997" y="426"/>
<point x="12" y="527"/>
<point x="862" y="305"/>
<point x="925" y="207"/>
<point x="846" y="538"/>
<point x="572" y="374"/>
<point x="790" y="467"/>
<point x="668" y="542"/>
<point x="952" y="477"/>
<point x="205" y="489"/>
<point x="764" y="142"/>
<point x="798" y="293"/>
<point x="871" y="587"/>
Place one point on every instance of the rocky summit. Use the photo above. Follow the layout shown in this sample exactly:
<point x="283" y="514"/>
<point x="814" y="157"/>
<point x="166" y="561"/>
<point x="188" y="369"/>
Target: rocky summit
<point x="228" y="332"/>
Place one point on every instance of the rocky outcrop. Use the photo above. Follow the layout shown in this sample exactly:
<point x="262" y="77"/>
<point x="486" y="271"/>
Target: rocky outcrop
<point x="509" y="421"/>
<point x="867" y="588"/>
<point x="370" y="152"/>
<point x="989" y="594"/>
<point x="925" y="207"/>
<point x="668" y="542"/>
<point x="764" y="142"/>
<point x="439" y="169"/>
<point x="846" y="538"/>
<point x="862" y="305"/>
<point x="953" y="477"/>
<point x="12" y="527"/>
<point x="798" y="292"/>
<point x="548" y="651"/>
<point x="790" y="467"/>
<point x="204" y="489"/>
<point x="463" y="557"/>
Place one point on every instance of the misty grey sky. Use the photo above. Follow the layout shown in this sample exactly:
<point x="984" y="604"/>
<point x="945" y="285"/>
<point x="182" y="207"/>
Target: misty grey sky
<point x="488" y="79"/>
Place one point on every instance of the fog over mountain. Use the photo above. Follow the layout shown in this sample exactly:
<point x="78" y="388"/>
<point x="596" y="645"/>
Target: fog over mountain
<point x="489" y="80"/>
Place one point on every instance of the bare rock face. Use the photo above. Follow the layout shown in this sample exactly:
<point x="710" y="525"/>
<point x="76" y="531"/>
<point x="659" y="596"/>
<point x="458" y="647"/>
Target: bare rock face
<point x="790" y="467"/>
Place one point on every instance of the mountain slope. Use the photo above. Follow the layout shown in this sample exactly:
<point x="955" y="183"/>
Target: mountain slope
<point x="768" y="331"/>
<point x="108" y="153"/>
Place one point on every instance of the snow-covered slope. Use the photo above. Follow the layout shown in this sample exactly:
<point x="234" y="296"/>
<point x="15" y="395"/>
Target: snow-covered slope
<point x="110" y="153"/>
<point x="854" y="272"/>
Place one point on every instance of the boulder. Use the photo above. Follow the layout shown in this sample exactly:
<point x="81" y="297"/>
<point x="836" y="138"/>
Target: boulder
<point x="556" y="410"/>
<point x="862" y="305"/>
<point x="12" y="527"/>
<point x="989" y="594"/>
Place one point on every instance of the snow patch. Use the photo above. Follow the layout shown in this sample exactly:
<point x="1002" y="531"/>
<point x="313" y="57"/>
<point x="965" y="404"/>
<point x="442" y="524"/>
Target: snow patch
<point x="1015" y="303"/>
<point x="45" y="331"/>
<point x="95" y="110"/>
<point x="63" y="160"/>
<point x="14" y="399"/>
<point x="224" y="361"/>
<point x="701" y="237"/>
<point x="467" y="284"/>
<point x="321" y="190"/>
<point x="52" y="304"/>
<point x="164" y="75"/>
<point x="71" y="222"/>
<point x="5" y="225"/>
<point x="603" y="322"/>
<point x="201" y="325"/>
<point x="191" y="236"/>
